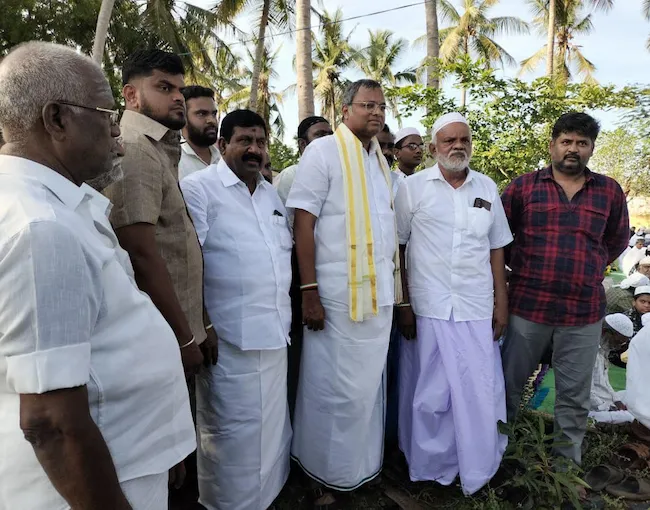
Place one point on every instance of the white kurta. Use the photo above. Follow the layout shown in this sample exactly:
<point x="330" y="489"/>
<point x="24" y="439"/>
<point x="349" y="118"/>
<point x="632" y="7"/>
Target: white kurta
<point x="637" y="383"/>
<point x="339" y="417"/>
<point x="242" y="412"/>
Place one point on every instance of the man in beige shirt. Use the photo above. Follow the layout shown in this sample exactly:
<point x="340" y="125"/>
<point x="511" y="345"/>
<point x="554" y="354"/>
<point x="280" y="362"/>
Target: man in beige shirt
<point x="149" y="214"/>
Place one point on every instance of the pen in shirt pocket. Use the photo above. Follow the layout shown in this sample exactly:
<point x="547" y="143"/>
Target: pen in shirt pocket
<point x="277" y="213"/>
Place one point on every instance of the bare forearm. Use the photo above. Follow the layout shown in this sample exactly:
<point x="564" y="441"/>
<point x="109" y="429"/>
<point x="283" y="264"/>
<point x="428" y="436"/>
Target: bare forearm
<point x="79" y="465"/>
<point x="402" y="261"/>
<point x="497" y="262"/>
<point x="152" y="277"/>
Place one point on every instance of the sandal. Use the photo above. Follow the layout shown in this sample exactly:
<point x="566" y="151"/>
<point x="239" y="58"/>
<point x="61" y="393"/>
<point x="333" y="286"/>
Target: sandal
<point x="603" y="475"/>
<point x="323" y="500"/>
<point x="632" y="456"/>
<point x="640" y="432"/>
<point x="632" y="488"/>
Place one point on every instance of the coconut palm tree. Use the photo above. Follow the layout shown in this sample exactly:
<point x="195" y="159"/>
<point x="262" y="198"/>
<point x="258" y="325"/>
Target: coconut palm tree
<point x="570" y="22"/>
<point x="331" y="56"/>
<point x="103" y="21"/>
<point x="278" y="13"/>
<point x="551" y="27"/>
<point x="378" y="59"/>
<point x="269" y="101"/>
<point x="472" y="32"/>
<point x="433" y="43"/>
<point x="646" y="13"/>
<point x="304" y="69"/>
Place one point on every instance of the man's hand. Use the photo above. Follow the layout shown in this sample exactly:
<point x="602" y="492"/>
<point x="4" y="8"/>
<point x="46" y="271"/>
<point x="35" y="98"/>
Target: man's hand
<point x="619" y="406"/>
<point x="177" y="475"/>
<point x="313" y="313"/>
<point x="209" y="348"/>
<point x="192" y="359"/>
<point x="406" y="322"/>
<point x="499" y="320"/>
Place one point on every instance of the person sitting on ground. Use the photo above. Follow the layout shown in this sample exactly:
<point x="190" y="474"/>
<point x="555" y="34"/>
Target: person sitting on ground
<point x="643" y="266"/>
<point x="620" y="298"/>
<point x="633" y="255"/>
<point x="640" y="306"/>
<point x="637" y="381"/>
<point x="617" y="331"/>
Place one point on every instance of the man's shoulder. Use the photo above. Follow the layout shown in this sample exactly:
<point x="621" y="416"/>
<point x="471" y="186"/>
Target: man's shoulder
<point x="137" y="144"/>
<point x="606" y="181"/>
<point x="484" y="180"/>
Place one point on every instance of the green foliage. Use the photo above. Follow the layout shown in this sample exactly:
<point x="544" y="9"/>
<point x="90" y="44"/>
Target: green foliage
<point x="541" y="479"/>
<point x="282" y="156"/>
<point x="601" y="443"/>
<point x="511" y="120"/>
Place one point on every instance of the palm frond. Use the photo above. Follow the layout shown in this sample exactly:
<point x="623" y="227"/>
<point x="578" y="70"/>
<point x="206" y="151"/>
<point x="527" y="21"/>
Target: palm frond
<point x="530" y="64"/>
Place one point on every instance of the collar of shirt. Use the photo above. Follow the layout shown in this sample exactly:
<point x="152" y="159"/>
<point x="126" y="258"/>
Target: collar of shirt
<point x="436" y="174"/>
<point x="147" y="126"/>
<point x="547" y="173"/>
<point x="66" y="191"/>
<point x="187" y="149"/>
<point x="229" y="178"/>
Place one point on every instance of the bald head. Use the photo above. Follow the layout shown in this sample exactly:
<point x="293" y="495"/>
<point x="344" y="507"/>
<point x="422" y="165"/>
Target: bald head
<point x="34" y="73"/>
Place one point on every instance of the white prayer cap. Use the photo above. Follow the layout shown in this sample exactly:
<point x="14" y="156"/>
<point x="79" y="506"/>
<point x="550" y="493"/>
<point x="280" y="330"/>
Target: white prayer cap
<point x="404" y="132"/>
<point x="645" y="261"/>
<point x="445" y="120"/>
<point x="642" y="290"/>
<point x="635" y="280"/>
<point x="645" y="319"/>
<point x="621" y="324"/>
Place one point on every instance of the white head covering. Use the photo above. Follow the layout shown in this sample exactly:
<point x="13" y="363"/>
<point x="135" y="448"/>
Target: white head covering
<point x="635" y="280"/>
<point x="645" y="319"/>
<point x="642" y="290"/>
<point x="621" y="324"/>
<point x="404" y="132"/>
<point x="645" y="261"/>
<point x="638" y="238"/>
<point x="445" y="120"/>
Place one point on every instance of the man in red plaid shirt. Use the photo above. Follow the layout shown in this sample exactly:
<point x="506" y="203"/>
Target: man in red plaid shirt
<point x="569" y="223"/>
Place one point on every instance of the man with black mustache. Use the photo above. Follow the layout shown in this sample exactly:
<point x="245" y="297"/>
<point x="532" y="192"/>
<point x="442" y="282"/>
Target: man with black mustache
<point x="200" y="132"/>
<point x="569" y="223"/>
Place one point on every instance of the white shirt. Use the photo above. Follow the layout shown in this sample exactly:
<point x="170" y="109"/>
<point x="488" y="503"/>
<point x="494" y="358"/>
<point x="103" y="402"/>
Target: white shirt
<point x="284" y="180"/>
<point x="602" y="395"/>
<point x="191" y="162"/>
<point x="247" y="257"/>
<point x="449" y="242"/>
<point x="318" y="189"/>
<point x="71" y="315"/>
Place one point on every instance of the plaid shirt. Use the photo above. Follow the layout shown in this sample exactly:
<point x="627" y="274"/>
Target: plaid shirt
<point x="561" y="248"/>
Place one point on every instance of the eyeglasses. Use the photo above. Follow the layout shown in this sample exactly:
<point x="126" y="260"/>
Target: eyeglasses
<point x="114" y="115"/>
<point x="413" y="146"/>
<point x="371" y="106"/>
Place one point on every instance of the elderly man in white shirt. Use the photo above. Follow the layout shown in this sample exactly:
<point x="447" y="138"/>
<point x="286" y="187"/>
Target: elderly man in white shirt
<point x="94" y="409"/>
<point x="242" y="412"/>
<point x="451" y="383"/>
<point x="346" y="244"/>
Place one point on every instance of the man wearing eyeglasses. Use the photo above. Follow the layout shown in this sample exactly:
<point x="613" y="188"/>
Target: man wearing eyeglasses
<point x="346" y="244"/>
<point x="409" y="149"/>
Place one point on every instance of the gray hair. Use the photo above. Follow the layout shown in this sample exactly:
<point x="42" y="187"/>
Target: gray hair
<point x="34" y="73"/>
<point x="353" y="88"/>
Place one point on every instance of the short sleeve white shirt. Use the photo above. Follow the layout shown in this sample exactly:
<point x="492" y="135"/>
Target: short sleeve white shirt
<point x="449" y="242"/>
<point x="71" y="315"/>
<point x="318" y="189"/>
<point x="247" y="257"/>
<point x="283" y="182"/>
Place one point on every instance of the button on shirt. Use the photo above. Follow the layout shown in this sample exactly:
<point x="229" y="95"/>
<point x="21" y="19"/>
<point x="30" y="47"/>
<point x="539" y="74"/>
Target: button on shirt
<point x="449" y="242"/>
<point x="149" y="193"/>
<point x="318" y="189"/>
<point x="71" y="315"/>
<point x="562" y="248"/>
<point x="191" y="162"/>
<point x="247" y="252"/>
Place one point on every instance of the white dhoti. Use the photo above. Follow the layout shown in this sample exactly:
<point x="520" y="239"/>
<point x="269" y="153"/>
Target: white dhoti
<point x="340" y="410"/>
<point x="452" y="396"/>
<point x="244" y="434"/>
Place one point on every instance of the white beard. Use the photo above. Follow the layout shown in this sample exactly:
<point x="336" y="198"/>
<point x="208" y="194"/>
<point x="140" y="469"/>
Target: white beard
<point x="454" y="163"/>
<point x="103" y="181"/>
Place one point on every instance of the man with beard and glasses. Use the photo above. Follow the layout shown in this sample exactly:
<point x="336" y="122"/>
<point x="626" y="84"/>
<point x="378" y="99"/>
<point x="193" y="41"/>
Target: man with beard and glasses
<point x="346" y="243"/>
<point x="242" y="413"/>
<point x="200" y="132"/>
<point x="94" y="409"/>
<point x="452" y="394"/>
<point x="569" y="223"/>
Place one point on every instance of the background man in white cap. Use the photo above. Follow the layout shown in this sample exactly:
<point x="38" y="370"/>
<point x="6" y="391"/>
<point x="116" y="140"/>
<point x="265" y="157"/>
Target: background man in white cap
<point x="620" y="298"/>
<point x="452" y="392"/>
<point x="409" y="149"/>
<point x="617" y="331"/>
<point x="633" y="255"/>
<point x="643" y="267"/>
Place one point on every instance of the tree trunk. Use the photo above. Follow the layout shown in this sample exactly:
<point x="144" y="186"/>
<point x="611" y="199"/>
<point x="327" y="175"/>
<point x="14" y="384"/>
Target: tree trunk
<point x="463" y="90"/>
<point x="103" y="21"/>
<point x="259" y="54"/>
<point x="433" y="43"/>
<point x="304" y="71"/>
<point x="550" y="41"/>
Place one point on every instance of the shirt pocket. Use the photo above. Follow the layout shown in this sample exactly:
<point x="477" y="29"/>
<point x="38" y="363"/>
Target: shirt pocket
<point x="281" y="232"/>
<point x="593" y="221"/>
<point x="479" y="221"/>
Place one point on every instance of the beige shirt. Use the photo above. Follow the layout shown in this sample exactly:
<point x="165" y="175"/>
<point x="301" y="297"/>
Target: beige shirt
<point x="149" y="193"/>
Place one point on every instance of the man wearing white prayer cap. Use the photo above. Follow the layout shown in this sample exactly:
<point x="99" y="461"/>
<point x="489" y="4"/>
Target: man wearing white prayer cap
<point x="637" y="381"/>
<point x="620" y="298"/>
<point x="617" y="330"/>
<point x="643" y="266"/>
<point x="452" y="391"/>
